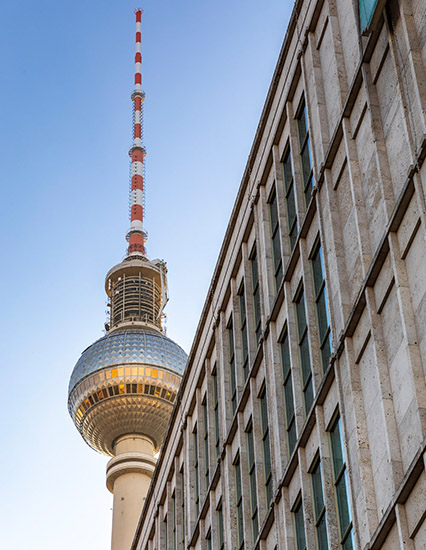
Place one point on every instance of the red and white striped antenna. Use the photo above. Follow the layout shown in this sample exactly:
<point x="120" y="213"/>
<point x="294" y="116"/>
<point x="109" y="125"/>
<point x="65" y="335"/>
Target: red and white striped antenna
<point x="137" y="236"/>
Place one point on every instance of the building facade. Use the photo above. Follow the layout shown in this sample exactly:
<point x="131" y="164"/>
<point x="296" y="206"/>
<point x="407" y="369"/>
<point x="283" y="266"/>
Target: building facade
<point x="301" y="417"/>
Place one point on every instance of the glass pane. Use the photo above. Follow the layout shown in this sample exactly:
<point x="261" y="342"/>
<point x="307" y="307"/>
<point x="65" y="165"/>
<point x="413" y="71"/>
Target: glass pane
<point x="300" y="311"/>
<point x="342" y="504"/>
<point x="322" y="534"/>
<point x="242" y="306"/>
<point x="300" y="527"/>
<point x="305" y="358"/>
<point x="293" y="235"/>
<point x="322" y="314"/>
<point x="256" y="299"/>
<point x="244" y="343"/>
<point x="255" y="526"/>
<point x="263" y="412"/>
<point x="337" y="449"/>
<point x="349" y="541"/>
<point x="317" y="489"/>
<point x="254" y="271"/>
<point x="220" y="521"/>
<point x="291" y="207"/>
<point x="288" y="396"/>
<point x="250" y="448"/>
<point x="288" y="173"/>
<point x="306" y="165"/>
<point x="318" y="270"/>
<point x="269" y="490"/>
<point x="253" y="491"/>
<point x="302" y="124"/>
<point x="285" y="356"/>
<point x="279" y="276"/>
<point x="309" y="396"/>
<point x="292" y="436"/>
<point x="326" y="351"/>
<point x="273" y="211"/>
<point x="276" y="246"/>
<point x="267" y="456"/>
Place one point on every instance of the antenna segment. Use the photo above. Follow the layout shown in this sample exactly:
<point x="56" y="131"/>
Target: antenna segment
<point x="137" y="236"/>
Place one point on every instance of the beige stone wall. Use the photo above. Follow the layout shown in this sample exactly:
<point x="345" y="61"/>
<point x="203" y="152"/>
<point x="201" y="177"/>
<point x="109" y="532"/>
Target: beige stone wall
<point x="366" y="105"/>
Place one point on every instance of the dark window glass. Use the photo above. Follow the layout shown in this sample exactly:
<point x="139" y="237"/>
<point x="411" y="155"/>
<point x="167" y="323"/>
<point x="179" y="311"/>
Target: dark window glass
<point x="305" y="358"/>
<point x="174" y="522"/>
<point x="221" y="537"/>
<point x="232" y="367"/>
<point x="239" y="505"/>
<point x="266" y="445"/>
<point x="253" y="485"/>
<point x="300" y="526"/>
<point x="290" y="419"/>
<point x="276" y="244"/>
<point x="206" y="444"/>
<point x="256" y="295"/>
<point x="182" y="507"/>
<point x="341" y="487"/>
<point x="197" y="481"/>
<point x="290" y="198"/>
<point x="305" y="152"/>
<point x="243" y="328"/>
<point x="321" y="305"/>
<point x="216" y="412"/>
<point x="319" y="508"/>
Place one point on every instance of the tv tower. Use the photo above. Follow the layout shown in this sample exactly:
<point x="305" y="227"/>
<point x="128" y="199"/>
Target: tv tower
<point x="123" y="387"/>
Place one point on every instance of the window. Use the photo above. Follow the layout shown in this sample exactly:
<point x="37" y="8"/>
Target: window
<point x="206" y="443"/>
<point x="253" y="485"/>
<point x="232" y="367"/>
<point x="182" y="506"/>
<point x="239" y="504"/>
<point x="276" y="244"/>
<point x="319" y="508"/>
<point x="290" y="198"/>
<point x="266" y="444"/>
<point x="305" y="152"/>
<point x="174" y="522"/>
<point x="341" y="487"/>
<point x="166" y="535"/>
<point x="299" y="523"/>
<point x="256" y="295"/>
<point x="216" y="411"/>
<point x="221" y="541"/>
<point x="197" y="481"/>
<point x="290" y="419"/>
<point x="321" y="305"/>
<point x="305" y="358"/>
<point x="209" y="540"/>
<point x="243" y="328"/>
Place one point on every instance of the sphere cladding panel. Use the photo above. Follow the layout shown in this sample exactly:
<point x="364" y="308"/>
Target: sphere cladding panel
<point x="125" y="347"/>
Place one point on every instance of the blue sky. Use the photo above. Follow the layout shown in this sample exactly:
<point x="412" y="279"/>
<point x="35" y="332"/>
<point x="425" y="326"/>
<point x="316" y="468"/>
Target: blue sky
<point x="65" y="119"/>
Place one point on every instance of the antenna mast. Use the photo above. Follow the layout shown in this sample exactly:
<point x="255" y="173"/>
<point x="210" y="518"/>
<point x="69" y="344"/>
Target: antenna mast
<point x="137" y="236"/>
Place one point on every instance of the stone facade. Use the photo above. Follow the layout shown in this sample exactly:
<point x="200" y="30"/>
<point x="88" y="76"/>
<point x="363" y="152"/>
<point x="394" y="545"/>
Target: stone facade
<point x="301" y="417"/>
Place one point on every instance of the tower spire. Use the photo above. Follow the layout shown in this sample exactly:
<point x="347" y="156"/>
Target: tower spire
<point x="137" y="236"/>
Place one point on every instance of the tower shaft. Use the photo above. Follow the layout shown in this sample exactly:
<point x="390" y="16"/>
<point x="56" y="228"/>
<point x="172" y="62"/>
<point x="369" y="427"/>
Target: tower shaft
<point x="129" y="475"/>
